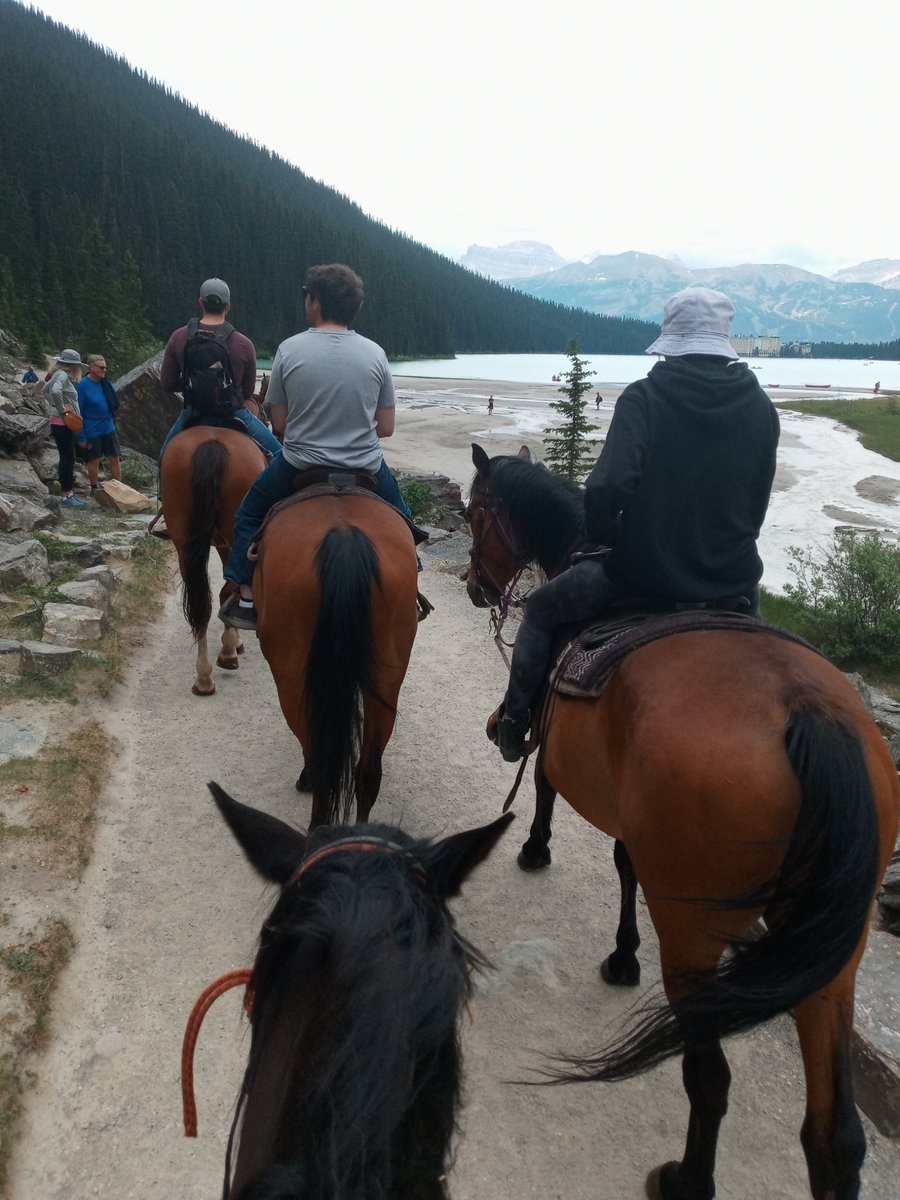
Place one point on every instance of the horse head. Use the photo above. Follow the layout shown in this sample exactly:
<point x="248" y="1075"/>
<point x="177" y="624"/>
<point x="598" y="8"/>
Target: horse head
<point x="353" y="1077"/>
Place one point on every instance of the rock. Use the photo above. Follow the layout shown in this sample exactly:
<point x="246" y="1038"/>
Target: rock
<point x="119" y="497"/>
<point x="146" y="412"/>
<point x="103" y="575"/>
<point x="38" y="658"/>
<point x="22" y="433"/>
<point x="72" y="624"/>
<point x="90" y="593"/>
<point x="92" y="554"/>
<point x="23" y="564"/>
<point x="18" y="512"/>
<point x="19" y="476"/>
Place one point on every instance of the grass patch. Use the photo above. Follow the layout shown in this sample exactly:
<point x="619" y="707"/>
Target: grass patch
<point x="877" y="421"/>
<point x="30" y="970"/>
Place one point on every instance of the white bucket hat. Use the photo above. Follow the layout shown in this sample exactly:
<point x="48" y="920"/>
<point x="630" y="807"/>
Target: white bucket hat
<point x="696" y="320"/>
<point x="70" y="358"/>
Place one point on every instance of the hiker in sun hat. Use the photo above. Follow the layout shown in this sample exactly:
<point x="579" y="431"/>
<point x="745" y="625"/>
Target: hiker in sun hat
<point x="675" y="502"/>
<point x="61" y="396"/>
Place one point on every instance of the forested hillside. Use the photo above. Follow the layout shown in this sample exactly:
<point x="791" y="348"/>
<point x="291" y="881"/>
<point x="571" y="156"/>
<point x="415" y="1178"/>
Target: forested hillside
<point x="117" y="199"/>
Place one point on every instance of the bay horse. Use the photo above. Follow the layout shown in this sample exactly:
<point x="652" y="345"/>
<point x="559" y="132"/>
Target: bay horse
<point x="335" y="591"/>
<point x="204" y="475"/>
<point x="353" y="1075"/>
<point x="741" y="778"/>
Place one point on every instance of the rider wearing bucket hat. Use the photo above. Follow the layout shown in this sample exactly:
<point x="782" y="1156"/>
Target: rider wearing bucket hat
<point x="61" y="396"/>
<point x="678" y="494"/>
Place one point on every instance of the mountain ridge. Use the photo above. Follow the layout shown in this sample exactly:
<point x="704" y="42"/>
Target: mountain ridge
<point x="770" y="299"/>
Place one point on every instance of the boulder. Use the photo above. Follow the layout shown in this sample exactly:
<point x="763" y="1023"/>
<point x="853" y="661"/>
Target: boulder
<point x="22" y="433"/>
<point x="90" y="593"/>
<point x="73" y="624"/>
<point x="38" y="658"/>
<point x="18" y="512"/>
<point x="119" y="497"/>
<point x="102" y="575"/>
<point x="146" y="412"/>
<point x="19" y="477"/>
<point x="23" y="564"/>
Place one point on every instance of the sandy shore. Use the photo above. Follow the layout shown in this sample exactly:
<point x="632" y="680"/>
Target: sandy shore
<point x="438" y="419"/>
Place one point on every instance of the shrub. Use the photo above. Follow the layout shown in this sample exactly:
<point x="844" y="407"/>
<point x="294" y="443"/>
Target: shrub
<point x="847" y="598"/>
<point x="420" y="498"/>
<point x="136" y="472"/>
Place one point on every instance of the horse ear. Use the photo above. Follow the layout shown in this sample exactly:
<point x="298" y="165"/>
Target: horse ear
<point x="525" y="453"/>
<point x="273" y="848"/>
<point x="480" y="458"/>
<point x="449" y="862"/>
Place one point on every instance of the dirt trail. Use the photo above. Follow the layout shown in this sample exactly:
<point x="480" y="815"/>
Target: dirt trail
<point x="169" y="903"/>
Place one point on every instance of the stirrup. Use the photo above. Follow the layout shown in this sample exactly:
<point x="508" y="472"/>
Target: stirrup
<point x="160" y="533"/>
<point x="424" y="606"/>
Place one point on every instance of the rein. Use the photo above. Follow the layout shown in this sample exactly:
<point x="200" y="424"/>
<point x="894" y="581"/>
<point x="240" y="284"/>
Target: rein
<point x="507" y="540"/>
<point x="231" y="979"/>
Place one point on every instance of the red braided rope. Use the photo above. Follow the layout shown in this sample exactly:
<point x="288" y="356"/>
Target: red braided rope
<point x="192" y="1030"/>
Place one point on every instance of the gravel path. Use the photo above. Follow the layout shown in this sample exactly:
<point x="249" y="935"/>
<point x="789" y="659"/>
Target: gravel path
<point x="169" y="903"/>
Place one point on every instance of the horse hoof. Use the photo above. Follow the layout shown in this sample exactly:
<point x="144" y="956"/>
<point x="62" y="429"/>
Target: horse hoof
<point x="616" y="976"/>
<point x="529" y="861"/>
<point x="662" y="1182"/>
<point x="227" y="664"/>
<point x="303" y="784"/>
<point x="240" y="647"/>
<point x="198" y="691"/>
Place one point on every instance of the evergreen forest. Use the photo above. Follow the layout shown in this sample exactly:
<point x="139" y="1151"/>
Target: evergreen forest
<point x="117" y="199"/>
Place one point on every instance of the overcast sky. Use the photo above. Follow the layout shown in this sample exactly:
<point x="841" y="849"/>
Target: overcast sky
<point x="718" y="133"/>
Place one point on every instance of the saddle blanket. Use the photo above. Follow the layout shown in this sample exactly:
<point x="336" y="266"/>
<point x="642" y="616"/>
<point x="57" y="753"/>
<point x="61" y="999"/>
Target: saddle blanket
<point x="587" y="663"/>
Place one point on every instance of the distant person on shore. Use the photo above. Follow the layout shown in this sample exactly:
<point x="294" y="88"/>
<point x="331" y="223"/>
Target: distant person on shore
<point x="678" y="494"/>
<point x="98" y="401"/>
<point x="597" y="402"/>
<point x="490" y="405"/>
<point x="331" y="397"/>
<point x="215" y="303"/>
<point x="30" y="376"/>
<point x="61" y="395"/>
<point x="877" y="388"/>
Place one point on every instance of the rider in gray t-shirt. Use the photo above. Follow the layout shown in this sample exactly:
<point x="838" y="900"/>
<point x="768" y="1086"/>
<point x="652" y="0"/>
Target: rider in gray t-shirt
<point x="331" y="397"/>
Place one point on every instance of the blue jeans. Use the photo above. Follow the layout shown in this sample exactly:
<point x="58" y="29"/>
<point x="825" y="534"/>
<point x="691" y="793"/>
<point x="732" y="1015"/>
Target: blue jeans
<point x="260" y="433"/>
<point x="276" y="483"/>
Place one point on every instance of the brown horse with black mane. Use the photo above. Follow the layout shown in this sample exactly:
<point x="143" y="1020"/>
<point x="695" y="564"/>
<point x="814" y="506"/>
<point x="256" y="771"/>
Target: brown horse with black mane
<point x="205" y="474"/>
<point x="742" y="778"/>
<point x="335" y="591"/>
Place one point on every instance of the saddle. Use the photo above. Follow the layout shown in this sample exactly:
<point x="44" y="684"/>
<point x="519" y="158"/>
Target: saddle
<point x="587" y="658"/>
<point x="216" y="421"/>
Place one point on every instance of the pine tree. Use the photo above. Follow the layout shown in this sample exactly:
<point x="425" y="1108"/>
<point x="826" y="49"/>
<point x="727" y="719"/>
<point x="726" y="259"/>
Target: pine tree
<point x="568" y="451"/>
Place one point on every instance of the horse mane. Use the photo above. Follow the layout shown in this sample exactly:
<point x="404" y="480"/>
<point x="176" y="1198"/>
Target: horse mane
<point x="361" y="975"/>
<point x="546" y="510"/>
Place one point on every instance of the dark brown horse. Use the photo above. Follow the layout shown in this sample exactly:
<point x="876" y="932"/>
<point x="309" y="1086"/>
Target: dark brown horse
<point x="742" y="778"/>
<point x="353" y="1077"/>
<point x="335" y="592"/>
<point x="205" y="474"/>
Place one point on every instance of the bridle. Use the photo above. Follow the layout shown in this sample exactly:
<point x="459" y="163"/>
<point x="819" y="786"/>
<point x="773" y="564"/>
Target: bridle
<point x="365" y="845"/>
<point x="487" y="505"/>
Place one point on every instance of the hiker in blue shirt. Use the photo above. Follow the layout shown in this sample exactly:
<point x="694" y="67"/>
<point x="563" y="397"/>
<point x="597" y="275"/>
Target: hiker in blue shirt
<point x="30" y="376"/>
<point x="98" y="403"/>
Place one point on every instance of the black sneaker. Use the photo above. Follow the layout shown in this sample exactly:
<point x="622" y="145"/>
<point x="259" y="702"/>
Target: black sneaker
<point x="238" y="616"/>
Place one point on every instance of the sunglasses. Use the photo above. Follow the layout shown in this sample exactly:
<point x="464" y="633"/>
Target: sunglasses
<point x="306" y="292"/>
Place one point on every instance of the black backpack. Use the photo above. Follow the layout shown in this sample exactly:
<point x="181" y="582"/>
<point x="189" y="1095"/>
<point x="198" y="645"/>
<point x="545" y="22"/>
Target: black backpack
<point x="207" y="382"/>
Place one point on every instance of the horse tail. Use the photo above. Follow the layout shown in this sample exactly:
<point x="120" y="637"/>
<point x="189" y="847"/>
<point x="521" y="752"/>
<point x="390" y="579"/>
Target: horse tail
<point x="817" y="904"/>
<point x="340" y="671"/>
<point x="208" y="468"/>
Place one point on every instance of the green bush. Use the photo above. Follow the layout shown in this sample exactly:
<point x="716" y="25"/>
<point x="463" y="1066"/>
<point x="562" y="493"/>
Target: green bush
<point x="420" y="499"/>
<point x="847" y="599"/>
<point x="136" y="472"/>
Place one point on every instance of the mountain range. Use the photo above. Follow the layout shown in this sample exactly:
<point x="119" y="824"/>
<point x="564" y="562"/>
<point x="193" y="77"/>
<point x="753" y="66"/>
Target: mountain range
<point x="856" y="304"/>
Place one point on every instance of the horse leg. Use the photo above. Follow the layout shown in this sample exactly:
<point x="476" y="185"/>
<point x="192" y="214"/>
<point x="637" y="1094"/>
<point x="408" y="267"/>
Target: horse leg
<point x="706" y="1079"/>
<point x="832" y="1134"/>
<point x="203" y="684"/>
<point x="303" y="784"/>
<point x="535" y="853"/>
<point x="232" y="646"/>
<point x="622" y="968"/>
<point x="368" y="783"/>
